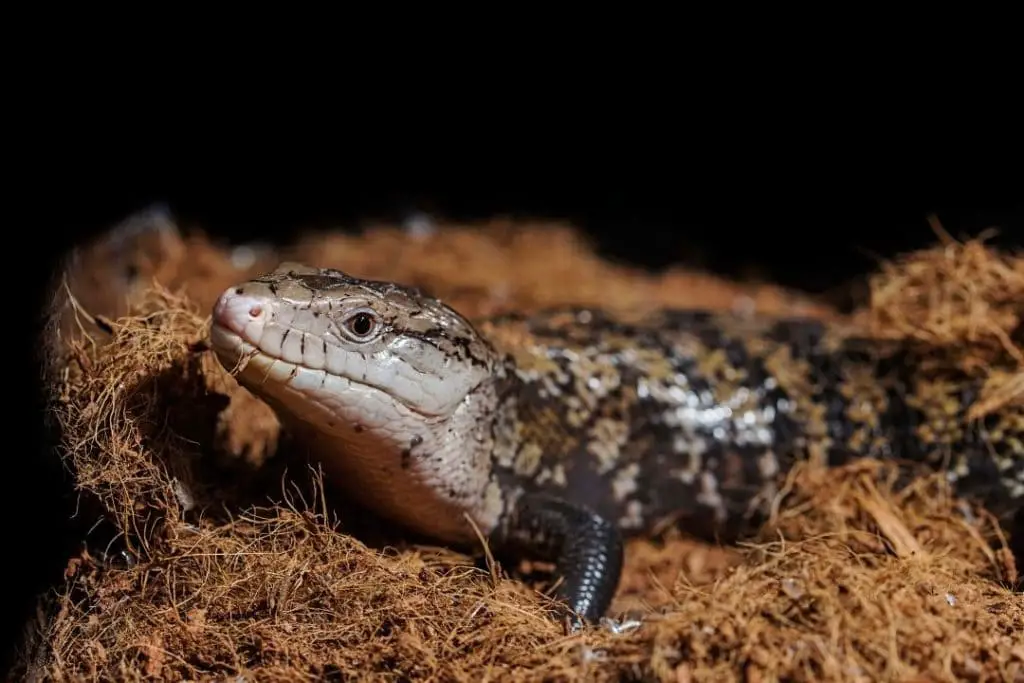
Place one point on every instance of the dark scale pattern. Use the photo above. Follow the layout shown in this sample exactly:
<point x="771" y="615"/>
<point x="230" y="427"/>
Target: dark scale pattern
<point x="695" y="417"/>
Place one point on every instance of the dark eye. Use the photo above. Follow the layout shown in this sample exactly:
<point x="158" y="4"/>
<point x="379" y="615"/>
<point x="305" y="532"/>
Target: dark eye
<point x="361" y="324"/>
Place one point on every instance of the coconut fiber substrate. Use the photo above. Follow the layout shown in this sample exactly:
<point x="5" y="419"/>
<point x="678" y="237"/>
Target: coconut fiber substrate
<point x="226" y="560"/>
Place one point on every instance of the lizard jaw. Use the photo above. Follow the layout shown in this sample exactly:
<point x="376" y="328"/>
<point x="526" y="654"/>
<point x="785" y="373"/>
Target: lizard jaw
<point x="330" y="403"/>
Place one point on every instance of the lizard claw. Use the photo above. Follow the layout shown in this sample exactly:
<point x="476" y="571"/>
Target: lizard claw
<point x="621" y="627"/>
<point x="572" y="623"/>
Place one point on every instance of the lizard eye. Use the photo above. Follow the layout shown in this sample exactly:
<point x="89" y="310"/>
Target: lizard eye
<point x="361" y="325"/>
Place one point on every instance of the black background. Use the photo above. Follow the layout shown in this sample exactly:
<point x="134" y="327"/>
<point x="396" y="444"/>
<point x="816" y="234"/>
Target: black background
<point x="812" y="220"/>
<point x="803" y="227"/>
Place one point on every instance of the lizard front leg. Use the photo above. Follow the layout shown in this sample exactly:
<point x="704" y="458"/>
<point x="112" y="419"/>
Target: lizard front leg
<point x="585" y="548"/>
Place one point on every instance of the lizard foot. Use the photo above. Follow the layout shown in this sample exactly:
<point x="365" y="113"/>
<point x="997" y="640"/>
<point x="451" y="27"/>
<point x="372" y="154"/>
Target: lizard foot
<point x="585" y="548"/>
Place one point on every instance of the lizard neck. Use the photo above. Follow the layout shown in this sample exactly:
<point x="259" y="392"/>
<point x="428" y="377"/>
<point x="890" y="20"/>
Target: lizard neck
<point x="426" y="473"/>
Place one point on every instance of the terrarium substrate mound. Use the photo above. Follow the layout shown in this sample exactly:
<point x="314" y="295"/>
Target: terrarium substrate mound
<point x="240" y="566"/>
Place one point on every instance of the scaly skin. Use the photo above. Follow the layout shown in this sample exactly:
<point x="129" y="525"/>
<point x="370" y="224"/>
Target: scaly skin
<point x="559" y="433"/>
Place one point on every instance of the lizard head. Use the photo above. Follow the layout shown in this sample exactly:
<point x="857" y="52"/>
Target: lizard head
<point x="328" y="348"/>
<point x="392" y="389"/>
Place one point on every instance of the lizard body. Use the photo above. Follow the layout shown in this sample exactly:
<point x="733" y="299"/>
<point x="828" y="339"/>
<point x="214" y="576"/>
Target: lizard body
<point x="561" y="432"/>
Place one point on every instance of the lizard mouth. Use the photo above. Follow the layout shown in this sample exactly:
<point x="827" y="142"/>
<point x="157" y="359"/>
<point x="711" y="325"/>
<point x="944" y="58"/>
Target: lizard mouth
<point x="254" y="367"/>
<point x="267" y="373"/>
<point x="236" y="354"/>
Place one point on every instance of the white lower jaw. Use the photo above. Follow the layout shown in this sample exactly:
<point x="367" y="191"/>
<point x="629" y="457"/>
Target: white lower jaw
<point x="326" y="402"/>
<point x="229" y="347"/>
<point x="248" y="363"/>
<point x="251" y="366"/>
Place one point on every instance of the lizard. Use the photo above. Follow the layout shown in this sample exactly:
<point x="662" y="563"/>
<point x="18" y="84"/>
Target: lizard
<point x="556" y="435"/>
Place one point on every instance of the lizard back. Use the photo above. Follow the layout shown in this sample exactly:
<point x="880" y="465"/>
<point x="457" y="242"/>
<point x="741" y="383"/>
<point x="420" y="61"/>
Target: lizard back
<point x="695" y="416"/>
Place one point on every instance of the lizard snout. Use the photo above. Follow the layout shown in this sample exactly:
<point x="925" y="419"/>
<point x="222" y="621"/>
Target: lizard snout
<point x="236" y="310"/>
